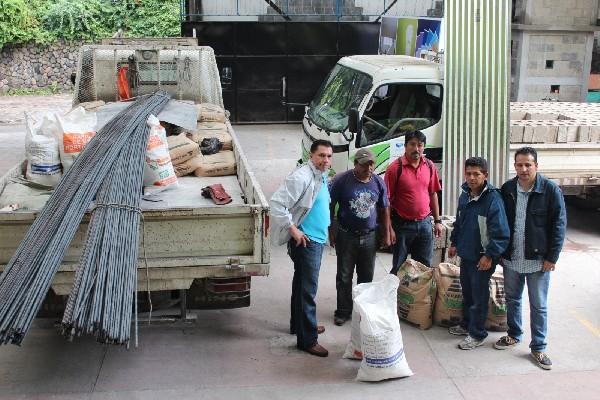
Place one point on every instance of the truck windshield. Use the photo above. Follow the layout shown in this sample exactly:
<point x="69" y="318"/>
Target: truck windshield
<point x="343" y="89"/>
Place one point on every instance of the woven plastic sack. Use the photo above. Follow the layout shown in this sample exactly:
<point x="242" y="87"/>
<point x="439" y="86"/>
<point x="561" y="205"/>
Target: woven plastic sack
<point x="381" y="339"/>
<point x="42" y="150"/>
<point x="353" y="350"/>
<point x="78" y="128"/>
<point x="159" y="174"/>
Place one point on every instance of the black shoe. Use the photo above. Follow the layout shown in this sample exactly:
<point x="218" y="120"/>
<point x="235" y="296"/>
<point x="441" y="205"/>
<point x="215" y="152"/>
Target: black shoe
<point x="506" y="342"/>
<point x="541" y="359"/>
<point x="339" y="321"/>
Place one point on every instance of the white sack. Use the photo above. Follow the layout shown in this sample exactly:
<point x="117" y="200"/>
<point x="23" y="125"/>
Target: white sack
<point x="353" y="350"/>
<point x="78" y="128"/>
<point x="42" y="150"/>
<point x="381" y="339"/>
<point x="158" y="169"/>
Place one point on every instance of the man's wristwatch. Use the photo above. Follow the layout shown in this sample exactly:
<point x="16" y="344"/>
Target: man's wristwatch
<point x="437" y="221"/>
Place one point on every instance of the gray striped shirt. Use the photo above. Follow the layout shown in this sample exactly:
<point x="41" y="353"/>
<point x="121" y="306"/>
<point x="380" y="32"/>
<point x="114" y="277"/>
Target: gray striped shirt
<point x="518" y="262"/>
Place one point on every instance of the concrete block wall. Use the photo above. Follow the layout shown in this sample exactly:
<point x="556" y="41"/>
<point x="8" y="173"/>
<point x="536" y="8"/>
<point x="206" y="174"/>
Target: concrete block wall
<point x="552" y="44"/>
<point x="559" y="12"/>
<point x="554" y="122"/>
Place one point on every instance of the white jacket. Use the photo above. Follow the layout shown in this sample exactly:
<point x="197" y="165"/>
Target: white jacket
<point x="293" y="200"/>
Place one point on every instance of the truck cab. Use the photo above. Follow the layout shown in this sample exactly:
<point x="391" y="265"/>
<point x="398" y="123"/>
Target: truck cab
<point x="372" y="101"/>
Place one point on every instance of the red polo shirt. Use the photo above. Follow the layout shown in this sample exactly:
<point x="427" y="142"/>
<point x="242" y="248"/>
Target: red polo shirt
<point x="409" y="194"/>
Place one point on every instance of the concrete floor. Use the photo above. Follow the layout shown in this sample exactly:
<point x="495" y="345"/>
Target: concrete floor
<point x="247" y="353"/>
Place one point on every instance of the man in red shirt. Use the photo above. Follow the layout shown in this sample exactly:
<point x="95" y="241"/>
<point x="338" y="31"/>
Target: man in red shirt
<point x="412" y="182"/>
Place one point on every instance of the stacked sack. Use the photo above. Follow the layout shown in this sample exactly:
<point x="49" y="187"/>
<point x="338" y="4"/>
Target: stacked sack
<point x="53" y="142"/>
<point x="496" y="320"/>
<point x="416" y="294"/>
<point x="212" y="144"/>
<point x="449" y="302"/>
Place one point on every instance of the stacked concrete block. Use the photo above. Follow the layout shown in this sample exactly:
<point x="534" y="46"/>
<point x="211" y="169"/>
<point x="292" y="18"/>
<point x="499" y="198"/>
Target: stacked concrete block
<point x="516" y="133"/>
<point x="554" y="122"/>
<point x="517" y="115"/>
<point x="541" y="116"/>
<point x="440" y="242"/>
<point x="448" y="224"/>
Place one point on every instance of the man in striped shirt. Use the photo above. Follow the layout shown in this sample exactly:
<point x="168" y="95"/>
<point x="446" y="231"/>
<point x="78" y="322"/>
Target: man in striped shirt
<point x="537" y="219"/>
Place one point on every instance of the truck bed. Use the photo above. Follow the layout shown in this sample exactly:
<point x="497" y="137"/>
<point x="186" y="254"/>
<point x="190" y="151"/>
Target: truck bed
<point x="183" y="236"/>
<point x="575" y="167"/>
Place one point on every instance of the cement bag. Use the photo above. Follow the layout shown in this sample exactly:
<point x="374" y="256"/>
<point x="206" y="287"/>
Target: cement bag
<point x="205" y="130"/>
<point x="220" y="164"/>
<point x="211" y="126"/>
<point x="189" y="166"/>
<point x="496" y="320"/>
<point x="78" y="128"/>
<point x="353" y="350"/>
<point x="42" y="150"/>
<point x="223" y="136"/>
<point x="158" y="169"/>
<point x="416" y="294"/>
<point x="381" y="339"/>
<point x="448" y="304"/>
<point x="211" y="112"/>
<point x="181" y="148"/>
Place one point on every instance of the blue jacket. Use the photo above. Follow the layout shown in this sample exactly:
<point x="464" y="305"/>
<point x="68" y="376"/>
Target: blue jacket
<point x="481" y="227"/>
<point x="545" y="221"/>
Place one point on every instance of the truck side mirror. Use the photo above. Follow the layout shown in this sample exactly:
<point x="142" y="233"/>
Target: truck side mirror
<point x="354" y="121"/>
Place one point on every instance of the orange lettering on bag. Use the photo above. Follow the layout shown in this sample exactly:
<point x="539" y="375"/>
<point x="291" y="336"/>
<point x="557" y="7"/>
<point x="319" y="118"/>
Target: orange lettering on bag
<point x="75" y="142"/>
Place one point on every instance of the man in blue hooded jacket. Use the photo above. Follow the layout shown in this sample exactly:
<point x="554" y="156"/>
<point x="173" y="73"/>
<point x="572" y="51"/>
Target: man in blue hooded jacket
<point x="480" y="236"/>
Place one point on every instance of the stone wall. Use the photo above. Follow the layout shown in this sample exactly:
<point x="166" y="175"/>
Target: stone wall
<point x="36" y="66"/>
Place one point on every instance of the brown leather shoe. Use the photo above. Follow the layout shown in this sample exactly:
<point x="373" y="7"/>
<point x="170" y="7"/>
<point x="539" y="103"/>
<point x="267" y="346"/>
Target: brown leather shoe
<point x="320" y="329"/>
<point x="317" y="350"/>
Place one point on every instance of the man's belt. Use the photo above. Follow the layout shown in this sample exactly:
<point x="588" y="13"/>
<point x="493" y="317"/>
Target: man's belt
<point x="358" y="232"/>
<point x="402" y="219"/>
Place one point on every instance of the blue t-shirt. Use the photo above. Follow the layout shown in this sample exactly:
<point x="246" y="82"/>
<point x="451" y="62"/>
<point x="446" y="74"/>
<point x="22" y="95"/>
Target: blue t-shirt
<point x="317" y="220"/>
<point x="357" y="200"/>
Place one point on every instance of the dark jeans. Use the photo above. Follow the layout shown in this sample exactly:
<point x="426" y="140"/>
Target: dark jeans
<point x="476" y="294"/>
<point x="352" y="250"/>
<point x="307" y="263"/>
<point x="414" y="238"/>
<point x="537" y="288"/>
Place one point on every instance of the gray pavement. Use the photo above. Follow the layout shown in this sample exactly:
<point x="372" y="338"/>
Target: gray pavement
<point x="247" y="353"/>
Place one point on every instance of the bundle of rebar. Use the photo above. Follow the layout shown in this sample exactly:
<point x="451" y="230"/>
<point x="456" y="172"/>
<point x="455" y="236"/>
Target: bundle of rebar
<point x="27" y="277"/>
<point x="103" y="292"/>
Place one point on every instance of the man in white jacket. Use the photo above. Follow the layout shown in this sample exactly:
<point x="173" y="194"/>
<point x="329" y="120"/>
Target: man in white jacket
<point x="300" y="218"/>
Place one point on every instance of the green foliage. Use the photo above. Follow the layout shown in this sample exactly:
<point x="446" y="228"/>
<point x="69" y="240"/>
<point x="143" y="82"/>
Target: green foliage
<point x="45" y="21"/>
<point x="53" y="88"/>
<point x="153" y="18"/>
<point x="72" y="20"/>
<point x="19" y="23"/>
